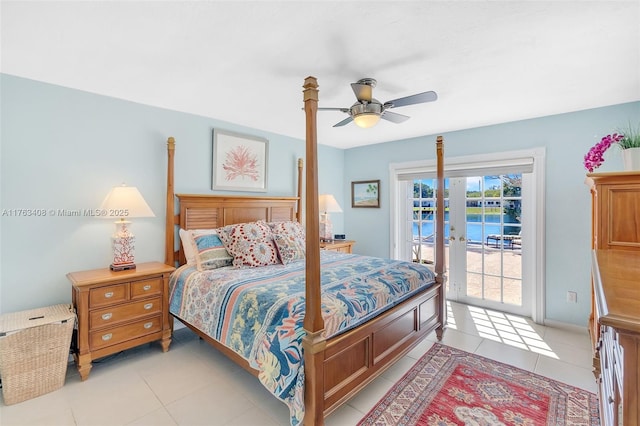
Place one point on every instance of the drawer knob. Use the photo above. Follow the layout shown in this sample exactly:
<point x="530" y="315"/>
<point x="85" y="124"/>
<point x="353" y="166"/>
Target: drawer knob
<point x="148" y="325"/>
<point x="107" y="317"/>
<point x="148" y="306"/>
<point x="147" y="287"/>
<point x="108" y="294"/>
<point x="107" y="336"/>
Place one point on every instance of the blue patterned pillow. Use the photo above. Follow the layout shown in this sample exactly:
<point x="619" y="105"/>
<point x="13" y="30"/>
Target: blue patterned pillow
<point x="210" y="252"/>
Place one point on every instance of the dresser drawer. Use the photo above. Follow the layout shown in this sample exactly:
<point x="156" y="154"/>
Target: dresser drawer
<point x="103" y="296"/>
<point x="618" y="359"/>
<point x="146" y="288"/>
<point x="116" y="314"/>
<point x="115" y="335"/>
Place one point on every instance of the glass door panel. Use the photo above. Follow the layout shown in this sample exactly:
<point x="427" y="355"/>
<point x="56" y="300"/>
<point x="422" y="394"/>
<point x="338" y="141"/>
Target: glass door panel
<point x="423" y="222"/>
<point x="482" y="238"/>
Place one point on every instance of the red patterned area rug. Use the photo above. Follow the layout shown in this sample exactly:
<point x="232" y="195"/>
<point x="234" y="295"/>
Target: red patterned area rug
<point x="448" y="386"/>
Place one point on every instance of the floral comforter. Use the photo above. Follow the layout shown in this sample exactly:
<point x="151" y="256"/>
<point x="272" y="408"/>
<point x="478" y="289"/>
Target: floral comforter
<point x="259" y="312"/>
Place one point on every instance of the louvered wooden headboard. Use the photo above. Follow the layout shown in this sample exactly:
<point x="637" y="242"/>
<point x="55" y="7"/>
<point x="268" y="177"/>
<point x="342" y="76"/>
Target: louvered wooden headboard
<point x="213" y="211"/>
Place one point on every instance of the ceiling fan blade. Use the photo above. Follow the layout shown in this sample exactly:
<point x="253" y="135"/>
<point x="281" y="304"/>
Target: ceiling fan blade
<point x="343" y="122"/>
<point x="412" y="100"/>
<point x="394" y="117"/>
<point x="334" y="109"/>
<point x="363" y="92"/>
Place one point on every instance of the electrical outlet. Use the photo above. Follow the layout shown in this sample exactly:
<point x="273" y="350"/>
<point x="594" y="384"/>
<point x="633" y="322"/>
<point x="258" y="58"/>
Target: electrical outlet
<point x="572" y="297"/>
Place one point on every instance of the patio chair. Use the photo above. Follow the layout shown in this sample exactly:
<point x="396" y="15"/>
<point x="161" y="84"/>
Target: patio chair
<point x="509" y="239"/>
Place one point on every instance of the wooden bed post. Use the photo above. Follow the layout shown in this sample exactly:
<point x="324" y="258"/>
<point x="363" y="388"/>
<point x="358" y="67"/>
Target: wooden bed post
<point x="313" y="343"/>
<point x="299" y="212"/>
<point x="169" y="249"/>
<point x="439" y="268"/>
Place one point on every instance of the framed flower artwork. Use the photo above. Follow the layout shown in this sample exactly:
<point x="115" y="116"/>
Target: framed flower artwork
<point x="239" y="162"/>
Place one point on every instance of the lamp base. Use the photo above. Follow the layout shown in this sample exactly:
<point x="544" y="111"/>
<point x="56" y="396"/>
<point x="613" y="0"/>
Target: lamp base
<point x="326" y="228"/>
<point x="126" y="267"/>
<point x="123" y="243"/>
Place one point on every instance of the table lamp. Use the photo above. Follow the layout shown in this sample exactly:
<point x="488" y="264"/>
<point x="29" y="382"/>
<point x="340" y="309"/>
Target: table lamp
<point x="124" y="202"/>
<point x="327" y="204"/>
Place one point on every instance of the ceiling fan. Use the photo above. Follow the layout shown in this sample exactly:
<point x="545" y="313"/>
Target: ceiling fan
<point x="367" y="111"/>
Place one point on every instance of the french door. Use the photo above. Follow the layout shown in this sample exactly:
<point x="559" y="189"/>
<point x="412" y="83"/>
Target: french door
<point x="493" y="233"/>
<point x="485" y="243"/>
<point x="483" y="234"/>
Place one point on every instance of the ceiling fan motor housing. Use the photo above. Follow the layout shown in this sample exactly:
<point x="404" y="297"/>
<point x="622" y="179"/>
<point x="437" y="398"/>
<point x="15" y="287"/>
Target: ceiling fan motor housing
<point x="373" y="107"/>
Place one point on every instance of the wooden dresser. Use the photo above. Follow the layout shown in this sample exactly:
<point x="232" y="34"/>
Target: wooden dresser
<point x="614" y="323"/>
<point x="120" y="310"/>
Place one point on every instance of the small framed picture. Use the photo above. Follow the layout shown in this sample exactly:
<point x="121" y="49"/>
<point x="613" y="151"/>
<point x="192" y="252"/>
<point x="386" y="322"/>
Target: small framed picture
<point x="365" y="193"/>
<point x="239" y="162"/>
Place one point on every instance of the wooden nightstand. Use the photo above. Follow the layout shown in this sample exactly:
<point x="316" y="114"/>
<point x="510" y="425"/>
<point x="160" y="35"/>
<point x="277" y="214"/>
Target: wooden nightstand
<point x="343" y="246"/>
<point x="120" y="310"/>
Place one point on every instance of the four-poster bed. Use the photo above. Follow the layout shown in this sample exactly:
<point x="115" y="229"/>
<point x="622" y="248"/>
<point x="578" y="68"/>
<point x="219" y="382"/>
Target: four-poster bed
<point x="338" y="366"/>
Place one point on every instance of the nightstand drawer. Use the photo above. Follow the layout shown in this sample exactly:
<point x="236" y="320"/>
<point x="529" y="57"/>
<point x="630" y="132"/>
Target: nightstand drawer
<point x="108" y="295"/>
<point x="115" y="314"/>
<point x="115" y="335"/>
<point x="146" y="288"/>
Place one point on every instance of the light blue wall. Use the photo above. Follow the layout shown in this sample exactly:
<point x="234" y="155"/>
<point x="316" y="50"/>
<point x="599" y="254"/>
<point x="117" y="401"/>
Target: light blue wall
<point x="65" y="149"/>
<point x="566" y="137"/>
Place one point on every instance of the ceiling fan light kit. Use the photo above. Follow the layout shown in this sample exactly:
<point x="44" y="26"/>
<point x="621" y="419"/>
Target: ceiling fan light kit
<point x="366" y="120"/>
<point x="366" y="114"/>
<point x="367" y="111"/>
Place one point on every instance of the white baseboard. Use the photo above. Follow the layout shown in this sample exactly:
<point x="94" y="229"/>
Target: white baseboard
<point x="567" y="326"/>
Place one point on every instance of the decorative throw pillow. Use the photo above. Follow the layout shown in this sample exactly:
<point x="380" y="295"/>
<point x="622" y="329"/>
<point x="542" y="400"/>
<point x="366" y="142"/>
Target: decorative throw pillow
<point x="250" y="244"/>
<point x="290" y="240"/>
<point x="209" y="251"/>
<point x="289" y="249"/>
<point x="186" y="238"/>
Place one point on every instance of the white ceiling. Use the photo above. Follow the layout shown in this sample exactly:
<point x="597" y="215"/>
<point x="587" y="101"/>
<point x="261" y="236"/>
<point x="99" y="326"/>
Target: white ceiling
<point x="245" y="62"/>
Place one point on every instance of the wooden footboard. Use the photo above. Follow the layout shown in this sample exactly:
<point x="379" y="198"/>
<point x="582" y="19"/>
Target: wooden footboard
<point x="354" y="359"/>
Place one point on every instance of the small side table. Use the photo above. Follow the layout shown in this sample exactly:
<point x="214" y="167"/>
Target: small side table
<point x="343" y="246"/>
<point x="120" y="310"/>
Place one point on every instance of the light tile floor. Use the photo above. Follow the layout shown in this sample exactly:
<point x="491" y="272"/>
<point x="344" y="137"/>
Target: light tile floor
<point x="193" y="384"/>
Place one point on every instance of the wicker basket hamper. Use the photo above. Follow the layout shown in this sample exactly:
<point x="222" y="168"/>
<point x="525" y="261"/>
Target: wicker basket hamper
<point x="34" y="351"/>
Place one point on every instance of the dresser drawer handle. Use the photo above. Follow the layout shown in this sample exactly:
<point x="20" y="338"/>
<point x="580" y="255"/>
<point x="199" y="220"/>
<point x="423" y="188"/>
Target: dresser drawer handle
<point x="107" y="317"/>
<point x="147" y="287"/>
<point x="108" y="294"/>
<point x="107" y="336"/>
<point x="148" y="306"/>
<point x="148" y="325"/>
